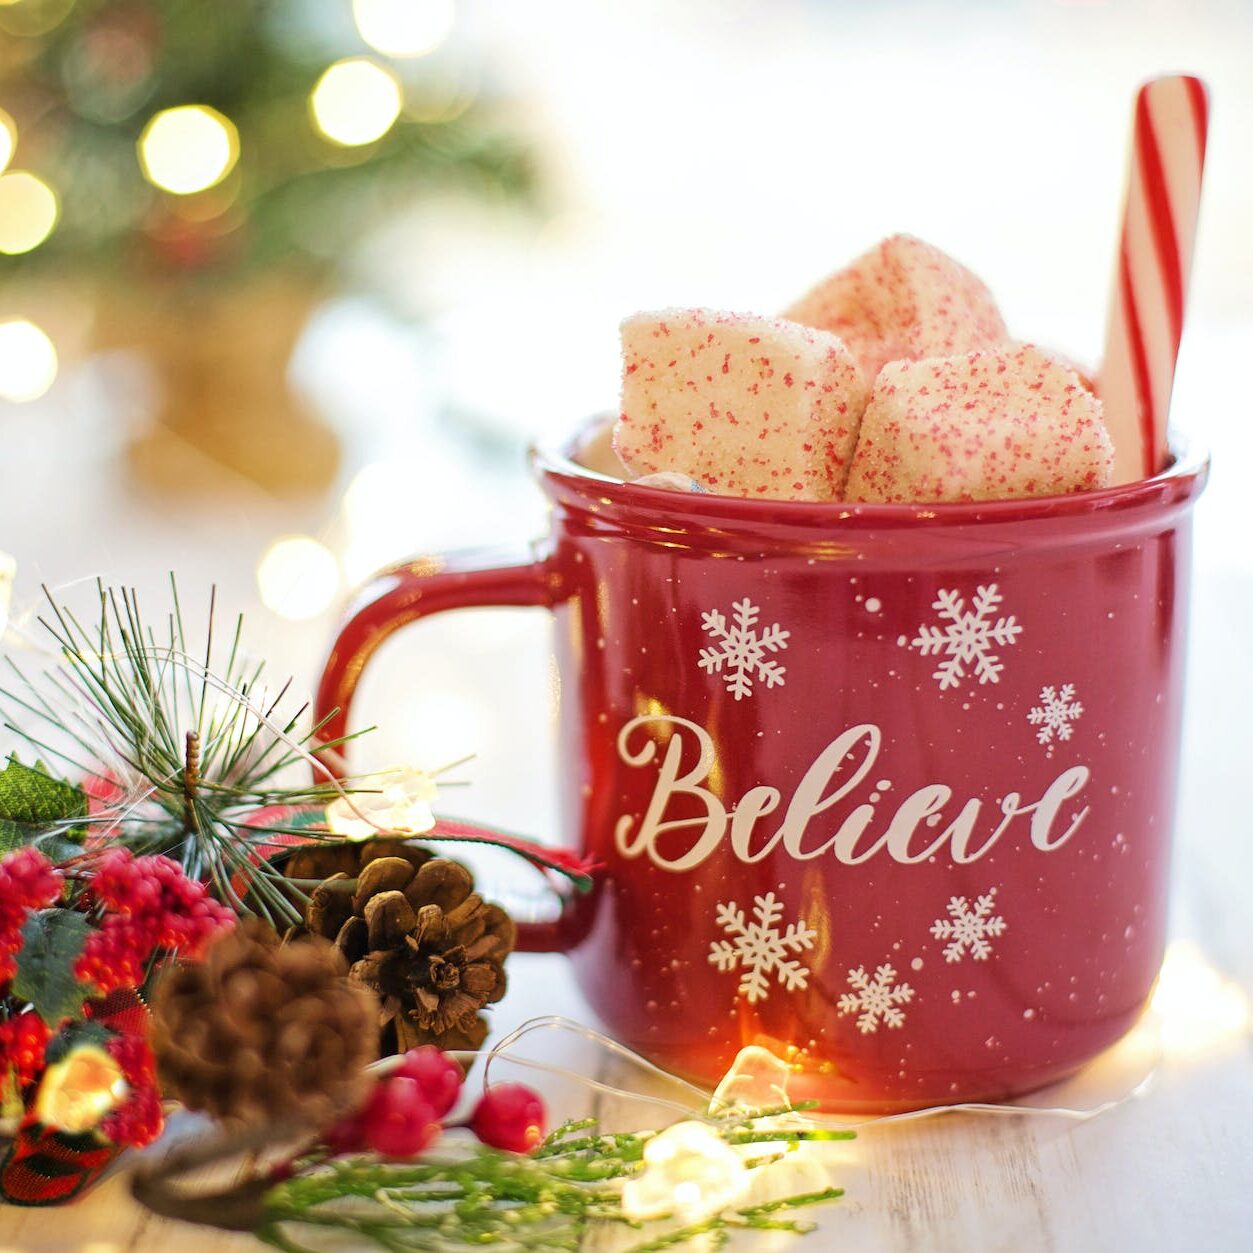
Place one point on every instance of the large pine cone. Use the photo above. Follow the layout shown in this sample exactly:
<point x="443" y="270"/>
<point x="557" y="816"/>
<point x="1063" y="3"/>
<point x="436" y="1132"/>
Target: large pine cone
<point x="321" y="859"/>
<point x="261" y="1032"/>
<point x="424" y="942"/>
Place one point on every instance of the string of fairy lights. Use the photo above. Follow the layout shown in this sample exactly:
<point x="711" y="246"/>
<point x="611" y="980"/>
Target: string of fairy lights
<point x="190" y="148"/>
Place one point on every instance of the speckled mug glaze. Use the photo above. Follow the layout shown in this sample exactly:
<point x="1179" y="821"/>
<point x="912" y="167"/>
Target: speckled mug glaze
<point x="889" y="789"/>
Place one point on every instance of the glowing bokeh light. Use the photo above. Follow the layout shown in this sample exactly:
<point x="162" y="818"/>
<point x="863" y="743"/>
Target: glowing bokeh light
<point x="28" y="361"/>
<point x="1200" y="1010"/>
<point x="355" y="102"/>
<point x="188" y="149"/>
<point x="404" y="28"/>
<point x="8" y="139"/>
<point x="28" y="211"/>
<point x="297" y="577"/>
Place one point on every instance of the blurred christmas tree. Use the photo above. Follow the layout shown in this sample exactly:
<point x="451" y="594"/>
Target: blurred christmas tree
<point x="210" y="164"/>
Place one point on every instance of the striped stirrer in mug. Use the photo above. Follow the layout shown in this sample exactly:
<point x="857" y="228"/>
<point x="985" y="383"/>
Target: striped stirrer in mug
<point x="1151" y="275"/>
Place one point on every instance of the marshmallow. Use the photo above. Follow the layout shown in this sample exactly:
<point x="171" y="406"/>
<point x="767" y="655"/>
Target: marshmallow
<point x="902" y="301"/>
<point x="981" y="426"/>
<point x="747" y="406"/>
<point x="594" y="452"/>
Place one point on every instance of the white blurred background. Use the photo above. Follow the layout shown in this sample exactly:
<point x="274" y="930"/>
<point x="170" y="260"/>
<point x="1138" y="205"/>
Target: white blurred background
<point x="714" y="152"/>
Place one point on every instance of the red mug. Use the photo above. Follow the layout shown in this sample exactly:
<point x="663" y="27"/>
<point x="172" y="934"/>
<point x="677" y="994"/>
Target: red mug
<point x="887" y="788"/>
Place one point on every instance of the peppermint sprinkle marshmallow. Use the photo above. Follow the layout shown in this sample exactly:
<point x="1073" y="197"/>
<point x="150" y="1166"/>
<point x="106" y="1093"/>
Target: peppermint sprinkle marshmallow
<point x="902" y="301"/>
<point x="981" y="426"/>
<point x="745" y="405"/>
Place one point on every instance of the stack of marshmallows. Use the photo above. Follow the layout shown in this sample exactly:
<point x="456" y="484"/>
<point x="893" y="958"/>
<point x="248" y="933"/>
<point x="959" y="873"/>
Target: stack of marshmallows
<point x="893" y="380"/>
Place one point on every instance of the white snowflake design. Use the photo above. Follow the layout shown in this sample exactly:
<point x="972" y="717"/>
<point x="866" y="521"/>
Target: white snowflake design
<point x="759" y="949"/>
<point x="1054" y="714"/>
<point x="969" y="636"/>
<point x="741" y="649"/>
<point x="967" y="930"/>
<point x="875" y="1000"/>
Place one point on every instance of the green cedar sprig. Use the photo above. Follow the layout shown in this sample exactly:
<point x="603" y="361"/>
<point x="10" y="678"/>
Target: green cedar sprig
<point x="547" y="1200"/>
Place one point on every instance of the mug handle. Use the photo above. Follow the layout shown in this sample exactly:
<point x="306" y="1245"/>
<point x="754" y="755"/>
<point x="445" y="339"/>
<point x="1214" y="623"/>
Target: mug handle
<point x="409" y="592"/>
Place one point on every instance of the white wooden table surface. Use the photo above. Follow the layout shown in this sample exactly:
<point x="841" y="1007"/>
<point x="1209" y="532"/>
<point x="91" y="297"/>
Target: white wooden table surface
<point x="1170" y="1169"/>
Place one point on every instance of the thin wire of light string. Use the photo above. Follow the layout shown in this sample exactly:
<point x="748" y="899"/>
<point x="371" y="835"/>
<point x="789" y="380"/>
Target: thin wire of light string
<point x="502" y="1051"/>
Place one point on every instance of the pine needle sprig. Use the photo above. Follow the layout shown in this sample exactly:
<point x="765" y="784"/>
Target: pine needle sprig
<point x="190" y="746"/>
<point x="550" y="1199"/>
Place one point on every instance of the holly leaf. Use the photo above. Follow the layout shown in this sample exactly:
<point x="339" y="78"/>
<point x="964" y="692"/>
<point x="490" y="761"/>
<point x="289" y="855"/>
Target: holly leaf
<point x="38" y="808"/>
<point x="52" y="940"/>
<point x="57" y="846"/>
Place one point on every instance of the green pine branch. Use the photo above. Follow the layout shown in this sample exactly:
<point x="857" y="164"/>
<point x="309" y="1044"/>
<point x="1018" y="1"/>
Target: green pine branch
<point x="193" y="743"/>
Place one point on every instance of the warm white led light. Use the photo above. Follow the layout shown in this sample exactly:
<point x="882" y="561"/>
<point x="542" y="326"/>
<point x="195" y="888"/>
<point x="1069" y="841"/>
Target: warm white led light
<point x="397" y="802"/>
<point x="689" y="1171"/>
<point x="28" y="361"/>
<point x="188" y="149"/>
<point x="8" y="139"/>
<point x="297" y="577"/>
<point x="404" y="28"/>
<point x="356" y="102"/>
<point x="1200" y="1010"/>
<point x="28" y="211"/>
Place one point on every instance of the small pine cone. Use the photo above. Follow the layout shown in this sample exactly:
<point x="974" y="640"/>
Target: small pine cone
<point x="424" y="942"/>
<point x="262" y="1032"/>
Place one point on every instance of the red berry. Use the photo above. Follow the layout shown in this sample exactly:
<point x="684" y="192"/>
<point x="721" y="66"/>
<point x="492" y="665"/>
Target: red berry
<point x="23" y="1040"/>
<point x="27" y="881"/>
<point x="151" y="905"/>
<point x="435" y="1073"/>
<point x="139" y="1119"/>
<point x="398" y="1120"/>
<point x="509" y="1116"/>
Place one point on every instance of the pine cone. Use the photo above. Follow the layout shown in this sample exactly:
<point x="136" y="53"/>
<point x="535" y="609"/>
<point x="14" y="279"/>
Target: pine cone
<point x="321" y="859"/>
<point x="424" y="942"/>
<point x="261" y="1032"/>
<point x="324" y="859"/>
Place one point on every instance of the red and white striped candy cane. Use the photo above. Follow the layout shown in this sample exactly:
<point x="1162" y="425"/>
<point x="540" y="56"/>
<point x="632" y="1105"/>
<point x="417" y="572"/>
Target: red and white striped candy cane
<point x="1151" y="276"/>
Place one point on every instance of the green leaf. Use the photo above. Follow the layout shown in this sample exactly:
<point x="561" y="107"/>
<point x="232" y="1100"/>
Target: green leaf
<point x="52" y="941"/>
<point x="35" y="805"/>
<point x="58" y="846"/>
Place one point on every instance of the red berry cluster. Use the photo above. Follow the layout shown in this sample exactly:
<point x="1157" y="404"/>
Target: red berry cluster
<point x="405" y="1110"/>
<point x="150" y="904"/>
<point x="27" y="881"/>
<point x="140" y="1118"/>
<point x="23" y="1043"/>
